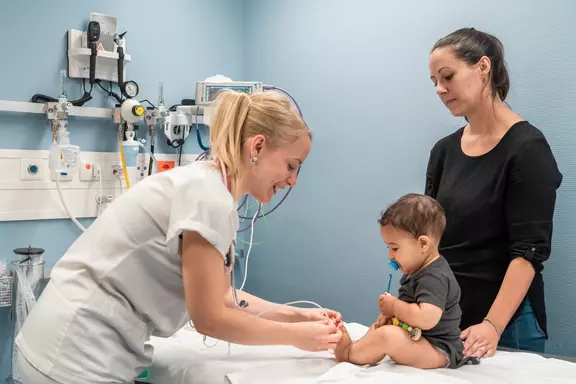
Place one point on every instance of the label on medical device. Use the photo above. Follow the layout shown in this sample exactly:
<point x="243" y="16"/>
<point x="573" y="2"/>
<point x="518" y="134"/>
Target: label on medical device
<point x="64" y="158"/>
<point x="68" y="159"/>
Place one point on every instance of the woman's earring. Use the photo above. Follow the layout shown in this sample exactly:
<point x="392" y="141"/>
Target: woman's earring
<point x="254" y="159"/>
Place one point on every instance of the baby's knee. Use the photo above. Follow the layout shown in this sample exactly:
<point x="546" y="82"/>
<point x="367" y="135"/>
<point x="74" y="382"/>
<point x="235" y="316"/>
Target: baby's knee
<point x="392" y="333"/>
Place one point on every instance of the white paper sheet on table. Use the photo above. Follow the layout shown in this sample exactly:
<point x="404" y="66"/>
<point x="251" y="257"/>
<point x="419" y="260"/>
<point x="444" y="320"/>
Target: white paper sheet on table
<point x="185" y="359"/>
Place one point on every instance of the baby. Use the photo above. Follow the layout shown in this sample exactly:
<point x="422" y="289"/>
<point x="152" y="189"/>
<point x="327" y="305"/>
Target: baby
<point x="428" y="296"/>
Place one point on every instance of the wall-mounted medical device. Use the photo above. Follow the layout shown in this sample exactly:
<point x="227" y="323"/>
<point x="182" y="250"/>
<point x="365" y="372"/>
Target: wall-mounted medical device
<point x="99" y="52"/>
<point x="178" y="123"/>
<point x="207" y="91"/>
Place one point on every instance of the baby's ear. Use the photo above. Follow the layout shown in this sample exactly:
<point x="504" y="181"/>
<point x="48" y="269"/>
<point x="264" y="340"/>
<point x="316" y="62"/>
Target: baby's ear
<point x="425" y="242"/>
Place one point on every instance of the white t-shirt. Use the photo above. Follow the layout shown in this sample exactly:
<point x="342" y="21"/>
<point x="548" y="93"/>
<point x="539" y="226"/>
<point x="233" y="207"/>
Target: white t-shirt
<point x="121" y="281"/>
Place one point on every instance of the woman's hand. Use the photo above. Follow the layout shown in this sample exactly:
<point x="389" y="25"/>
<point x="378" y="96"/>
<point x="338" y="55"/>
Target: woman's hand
<point x="317" y="314"/>
<point x="481" y="340"/>
<point x="316" y="336"/>
<point x="386" y="303"/>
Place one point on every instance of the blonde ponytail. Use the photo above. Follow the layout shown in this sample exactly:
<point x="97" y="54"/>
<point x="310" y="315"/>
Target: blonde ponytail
<point x="226" y="133"/>
<point x="240" y="116"/>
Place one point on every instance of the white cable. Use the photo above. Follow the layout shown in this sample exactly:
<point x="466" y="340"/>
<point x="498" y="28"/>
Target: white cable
<point x="250" y="246"/>
<point x="101" y="196"/>
<point x="292" y="303"/>
<point x="273" y="308"/>
<point x="151" y="155"/>
<point x="247" y="206"/>
<point x="80" y="226"/>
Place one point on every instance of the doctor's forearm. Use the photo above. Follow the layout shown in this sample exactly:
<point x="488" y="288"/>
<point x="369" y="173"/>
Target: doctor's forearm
<point x="513" y="290"/>
<point x="257" y="305"/>
<point x="242" y="328"/>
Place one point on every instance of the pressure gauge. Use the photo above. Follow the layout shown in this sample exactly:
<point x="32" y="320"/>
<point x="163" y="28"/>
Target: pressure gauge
<point x="130" y="89"/>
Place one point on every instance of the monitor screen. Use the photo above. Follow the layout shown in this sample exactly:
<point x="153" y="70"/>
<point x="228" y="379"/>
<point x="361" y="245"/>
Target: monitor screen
<point x="212" y="91"/>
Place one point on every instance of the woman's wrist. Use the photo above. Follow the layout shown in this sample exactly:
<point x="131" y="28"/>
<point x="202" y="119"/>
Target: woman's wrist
<point x="284" y="314"/>
<point x="494" y="325"/>
<point x="295" y="314"/>
<point x="287" y="314"/>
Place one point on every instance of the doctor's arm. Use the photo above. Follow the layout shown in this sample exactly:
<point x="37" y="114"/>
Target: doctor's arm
<point x="206" y="287"/>
<point x="278" y="312"/>
<point x="257" y="305"/>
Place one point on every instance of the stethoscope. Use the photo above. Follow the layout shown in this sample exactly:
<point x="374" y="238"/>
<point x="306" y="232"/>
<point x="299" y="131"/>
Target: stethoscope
<point x="229" y="267"/>
<point x="230" y="258"/>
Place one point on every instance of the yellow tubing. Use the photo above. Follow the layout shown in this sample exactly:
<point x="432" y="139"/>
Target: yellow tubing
<point x="124" y="170"/>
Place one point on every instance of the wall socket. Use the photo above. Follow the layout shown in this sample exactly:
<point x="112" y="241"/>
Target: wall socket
<point x="89" y="171"/>
<point x="33" y="169"/>
<point x="113" y="171"/>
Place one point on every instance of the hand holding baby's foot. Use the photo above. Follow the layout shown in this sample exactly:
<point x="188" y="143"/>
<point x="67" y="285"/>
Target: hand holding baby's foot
<point x="342" y="350"/>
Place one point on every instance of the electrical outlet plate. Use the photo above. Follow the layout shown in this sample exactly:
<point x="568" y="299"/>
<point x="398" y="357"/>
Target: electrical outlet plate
<point x="89" y="171"/>
<point x="113" y="171"/>
<point x="142" y="167"/>
<point x="33" y="169"/>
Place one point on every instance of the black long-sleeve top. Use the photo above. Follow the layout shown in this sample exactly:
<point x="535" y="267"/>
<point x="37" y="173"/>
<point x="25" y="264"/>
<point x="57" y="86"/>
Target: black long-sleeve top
<point x="499" y="206"/>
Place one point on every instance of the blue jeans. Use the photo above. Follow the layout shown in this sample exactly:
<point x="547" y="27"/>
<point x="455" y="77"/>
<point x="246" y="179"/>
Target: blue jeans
<point x="525" y="332"/>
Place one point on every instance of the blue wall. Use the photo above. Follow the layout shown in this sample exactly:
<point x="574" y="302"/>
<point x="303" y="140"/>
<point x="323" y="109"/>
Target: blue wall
<point x="360" y="72"/>
<point x="176" y="41"/>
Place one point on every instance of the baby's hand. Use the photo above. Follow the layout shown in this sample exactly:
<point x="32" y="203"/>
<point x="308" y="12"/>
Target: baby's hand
<point x="382" y="321"/>
<point x="386" y="303"/>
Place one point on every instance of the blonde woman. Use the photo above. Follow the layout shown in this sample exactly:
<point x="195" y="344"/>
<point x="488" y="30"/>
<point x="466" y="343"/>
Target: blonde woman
<point x="157" y="258"/>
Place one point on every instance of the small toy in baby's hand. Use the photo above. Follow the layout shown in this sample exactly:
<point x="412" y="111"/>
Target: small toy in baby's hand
<point x="415" y="333"/>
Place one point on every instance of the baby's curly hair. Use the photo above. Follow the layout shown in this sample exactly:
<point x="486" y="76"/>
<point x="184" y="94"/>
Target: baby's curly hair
<point x="419" y="215"/>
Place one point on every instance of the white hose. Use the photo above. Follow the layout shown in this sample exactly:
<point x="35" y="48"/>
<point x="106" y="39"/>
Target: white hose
<point x="101" y="196"/>
<point x="292" y="303"/>
<point x="66" y="206"/>
<point x="150" y="153"/>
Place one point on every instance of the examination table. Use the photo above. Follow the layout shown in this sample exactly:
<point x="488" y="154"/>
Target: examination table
<point x="185" y="359"/>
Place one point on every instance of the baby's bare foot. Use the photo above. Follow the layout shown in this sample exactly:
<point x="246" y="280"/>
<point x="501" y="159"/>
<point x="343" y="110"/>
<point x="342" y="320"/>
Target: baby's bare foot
<point x="342" y="350"/>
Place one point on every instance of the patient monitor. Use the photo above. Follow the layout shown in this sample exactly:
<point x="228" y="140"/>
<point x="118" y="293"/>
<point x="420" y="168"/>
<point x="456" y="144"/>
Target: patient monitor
<point x="206" y="91"/>
<point x="178" y="123"/>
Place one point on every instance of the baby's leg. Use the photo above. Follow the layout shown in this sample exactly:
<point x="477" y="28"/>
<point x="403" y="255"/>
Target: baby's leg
<point x="342" y="349"/>
<point x="392" y="341"/>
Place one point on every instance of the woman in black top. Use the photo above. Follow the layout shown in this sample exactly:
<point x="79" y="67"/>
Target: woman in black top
<point x="496" y="179"/>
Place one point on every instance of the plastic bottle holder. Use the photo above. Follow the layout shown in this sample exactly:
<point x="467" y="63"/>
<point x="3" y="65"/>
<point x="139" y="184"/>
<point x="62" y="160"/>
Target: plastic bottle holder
<point x="5" y="291"/>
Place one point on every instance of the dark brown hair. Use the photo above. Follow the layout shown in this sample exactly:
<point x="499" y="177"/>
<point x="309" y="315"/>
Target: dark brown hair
<point x="416" y="214"/>
<point x="470" y="45"/>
